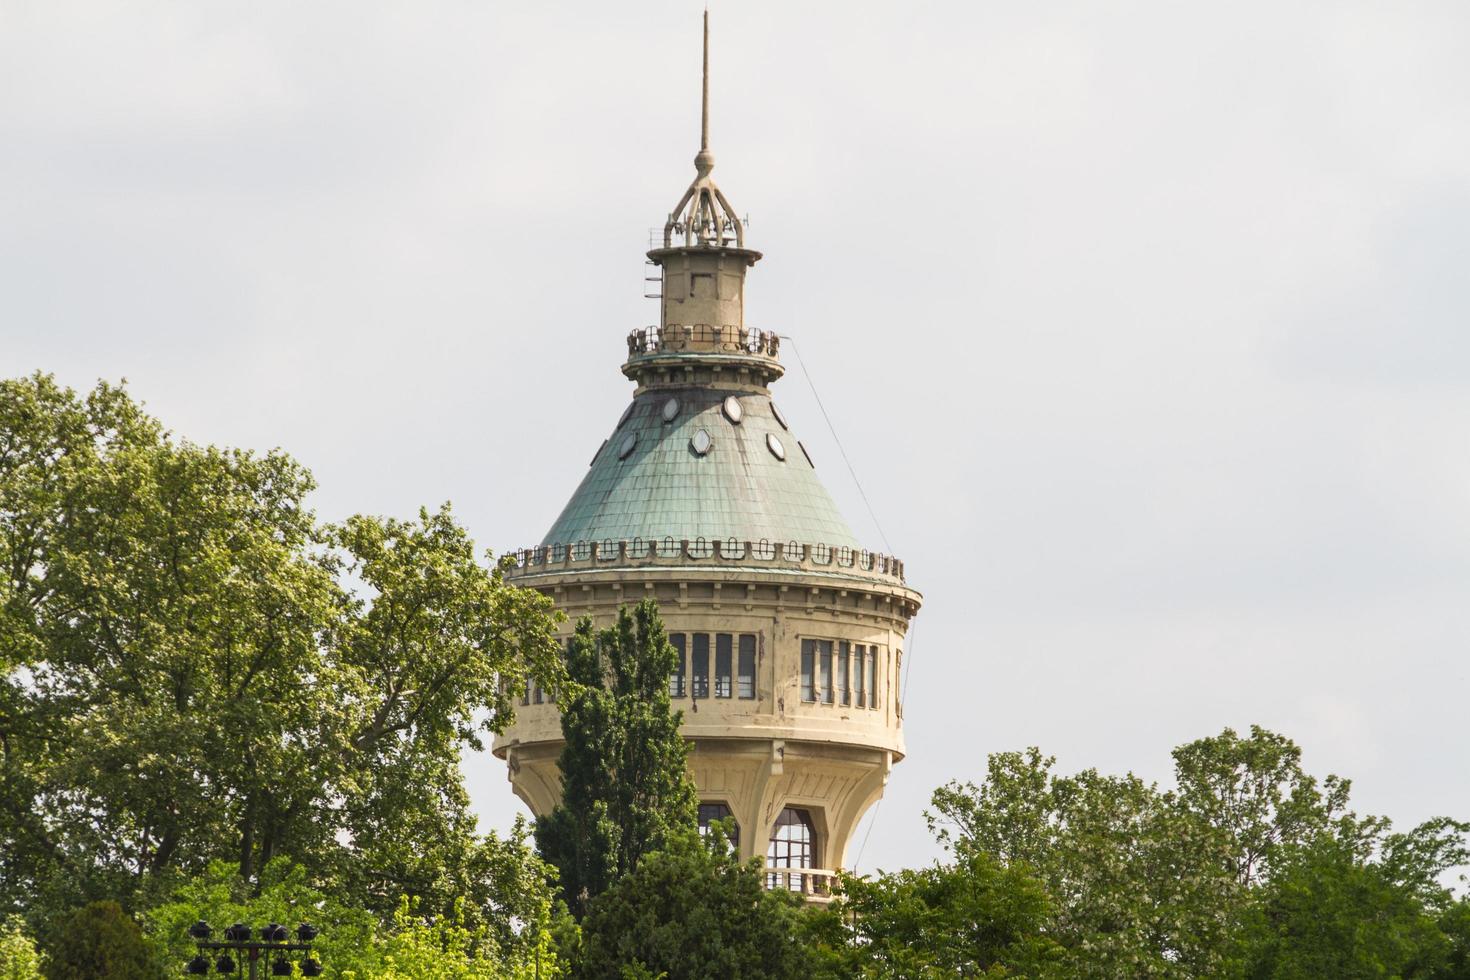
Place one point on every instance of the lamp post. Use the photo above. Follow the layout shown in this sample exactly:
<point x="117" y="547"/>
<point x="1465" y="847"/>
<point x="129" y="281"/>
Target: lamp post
<point x="239" y="942"/>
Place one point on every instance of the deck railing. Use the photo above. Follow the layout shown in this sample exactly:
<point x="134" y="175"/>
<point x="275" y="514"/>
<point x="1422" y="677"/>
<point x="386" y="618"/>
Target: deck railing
<point x="814" y="883"/>
<point x="703" y="338"/>
<point x="614" y="553"/>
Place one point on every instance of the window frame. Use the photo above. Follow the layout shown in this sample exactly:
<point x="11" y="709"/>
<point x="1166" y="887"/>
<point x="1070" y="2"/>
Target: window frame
<point x="679" y="680"/>
<point x="699" y="666"/>
<point x="745" y="667"/>
<point x="808" y="675"/>
<point x="724" y="665"/>
<point x="844" y="673"/>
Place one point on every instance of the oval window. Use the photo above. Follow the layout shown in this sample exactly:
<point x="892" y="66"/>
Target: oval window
<point x="774" y="445"/>
<point x="700" y="443"/>
<point x="779" y="417"/>
<point x="732" y="409"/>
<point x="671" y="409"/>
<point x="629" y="441"/>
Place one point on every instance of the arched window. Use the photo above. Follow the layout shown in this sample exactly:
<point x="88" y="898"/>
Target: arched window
<point x="793" y="845"/>
<point x="711" y="812"/>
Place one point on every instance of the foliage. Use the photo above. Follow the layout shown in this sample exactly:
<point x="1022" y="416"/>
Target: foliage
<point x="221" y="896"/>
<point x="625" y="785"/>
<point x="195" y="669"/>
<point x="1326" y="912"/>
<point x="693" y="911"/>
<point x="973" y="918"/>
<point x="353" y="943"/>
<point x="19" y="959"/>
<point x="1227" y="873"/>
<point x="99" y="940"/>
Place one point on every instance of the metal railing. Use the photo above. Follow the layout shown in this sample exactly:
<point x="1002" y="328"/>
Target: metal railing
<point x="703" y="338"/>
<point x="814" y="883"/>
<point x="612" y="552"/>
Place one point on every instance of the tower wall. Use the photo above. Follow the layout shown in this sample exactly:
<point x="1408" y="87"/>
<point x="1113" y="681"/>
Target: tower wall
<point x="781" y="747"/>
<point x="703" y="286"/>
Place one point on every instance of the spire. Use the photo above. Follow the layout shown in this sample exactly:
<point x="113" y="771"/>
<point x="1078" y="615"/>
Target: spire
<point x="704" y="106"/>
<point x="703" y="215"/>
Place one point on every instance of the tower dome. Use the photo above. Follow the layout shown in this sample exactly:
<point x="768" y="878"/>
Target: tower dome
<point x="789" y="635"/>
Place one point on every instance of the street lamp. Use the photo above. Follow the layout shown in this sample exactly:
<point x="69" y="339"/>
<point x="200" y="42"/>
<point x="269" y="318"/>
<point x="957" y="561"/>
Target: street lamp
<point x="274" y="938"/>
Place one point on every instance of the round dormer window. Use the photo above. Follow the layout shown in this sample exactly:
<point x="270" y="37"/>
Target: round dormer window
<point x="700" y="443"/>
<point x="732" y="410"/>
<point x="671" y="409"/>
<point x="779" y="417"/>
<point x="774" y="445"/>
<point x="629" y="441"/>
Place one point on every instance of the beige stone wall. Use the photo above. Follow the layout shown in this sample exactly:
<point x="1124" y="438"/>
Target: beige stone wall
<point x="757" y="755"/>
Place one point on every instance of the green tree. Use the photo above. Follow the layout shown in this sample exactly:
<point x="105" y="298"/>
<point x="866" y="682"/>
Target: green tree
<point x="1137" y="886"/>
<point x="1232" y="874"/>
<point x="625" y="783"/>
<point x="973" y="918"/>
<point x="1329" y="910"/>
<point x="195" y="669"/>
<point x="282" y="893"/>
<point x="414" y="945"/>
<point x="693" y="911"/>
<point x="18" y="957"/>
<point x="99" y="941"/>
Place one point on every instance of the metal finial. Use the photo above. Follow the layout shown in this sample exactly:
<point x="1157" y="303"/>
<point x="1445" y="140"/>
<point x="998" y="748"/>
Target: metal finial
<point x="703" y="215"/>
<point x="704" y="113"/>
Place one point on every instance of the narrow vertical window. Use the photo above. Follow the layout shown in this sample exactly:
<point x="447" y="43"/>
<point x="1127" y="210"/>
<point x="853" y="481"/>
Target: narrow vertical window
<point x="746" y="672"/>
<point x="724" y="643"/>
<point x="826" y="667"/>
<point x="873" y="677"/>
<point x="808" y="670"/>
<point x="676" y="679"/>
<point x="701" y="665"/>
<point x="539" y="696"/>
<point x="844" y="683"/>
<point x="897" y="679"/>
<point x="860" y="674"/>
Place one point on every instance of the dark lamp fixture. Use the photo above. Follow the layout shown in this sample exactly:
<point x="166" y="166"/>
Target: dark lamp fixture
<point x="200" y="930"/>
<point x="280" y="968"/>
<point x="238" y="933"/>
<point x="273" y="933"/>
<point x="306" y="932"/>
<point x="198" y="966"/>
<point x="224" y="964"/>
<point x="310" y="968"/>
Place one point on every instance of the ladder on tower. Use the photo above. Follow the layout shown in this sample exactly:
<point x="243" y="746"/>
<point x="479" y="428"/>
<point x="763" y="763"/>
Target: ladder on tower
<point x="651" y="273"/>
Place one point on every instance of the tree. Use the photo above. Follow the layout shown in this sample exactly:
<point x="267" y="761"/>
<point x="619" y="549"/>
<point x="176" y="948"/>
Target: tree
<point x="1137" y="886"/>
<point x="18" y="957"/>
<point x="973" y="918"/>
<point x="693" y="911"/>
<point x="353" y="941"/>
<point x="196" y="669"/>
<point x="96" y="941"/>
<point x="1326" y="911"/>
<point x="1250" y="868"/>
<point x="625" y="783"/>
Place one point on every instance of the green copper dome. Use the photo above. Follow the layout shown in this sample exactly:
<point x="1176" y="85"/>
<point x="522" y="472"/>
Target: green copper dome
<point x="650" y="481"/>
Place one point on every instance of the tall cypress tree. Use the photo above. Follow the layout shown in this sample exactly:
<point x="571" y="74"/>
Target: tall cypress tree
<point x="625" y="782"/>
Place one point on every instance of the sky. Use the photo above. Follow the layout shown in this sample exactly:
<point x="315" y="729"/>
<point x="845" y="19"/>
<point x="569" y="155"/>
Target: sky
<point x="1143" y="325"/>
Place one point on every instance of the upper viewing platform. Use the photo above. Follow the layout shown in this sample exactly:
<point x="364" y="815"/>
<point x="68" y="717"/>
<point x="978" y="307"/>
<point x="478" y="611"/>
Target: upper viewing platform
<point x="703" y="338"/>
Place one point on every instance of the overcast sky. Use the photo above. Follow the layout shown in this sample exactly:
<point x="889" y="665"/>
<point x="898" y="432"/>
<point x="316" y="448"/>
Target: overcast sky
<point x="1144" y="325"/>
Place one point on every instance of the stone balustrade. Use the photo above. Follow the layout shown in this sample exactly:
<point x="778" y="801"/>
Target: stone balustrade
<point x="635" y="553"/>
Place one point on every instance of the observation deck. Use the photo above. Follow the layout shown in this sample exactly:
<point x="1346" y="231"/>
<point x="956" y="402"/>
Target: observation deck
<point x="653" y="348"/>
